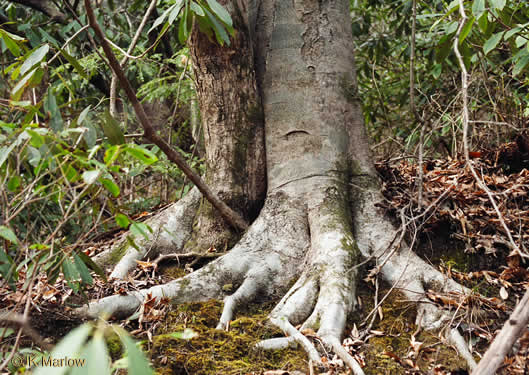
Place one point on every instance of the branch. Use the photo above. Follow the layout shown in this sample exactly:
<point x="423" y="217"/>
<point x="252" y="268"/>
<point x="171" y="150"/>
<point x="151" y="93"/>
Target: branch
<point x="232" y="217"/>
<point x="504" y="341"/>
<point x="113" y="83"/>
<point x="464" y="91"/>
<point x="44" y="7"/>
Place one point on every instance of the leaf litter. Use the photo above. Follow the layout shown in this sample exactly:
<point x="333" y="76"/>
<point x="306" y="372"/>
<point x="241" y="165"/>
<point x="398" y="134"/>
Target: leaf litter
<point x="451" y="199"/>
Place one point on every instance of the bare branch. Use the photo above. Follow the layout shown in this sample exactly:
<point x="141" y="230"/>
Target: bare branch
<point x="113" y="84"/>
<point x="517" y="322"/>
<point x="464" y="91"/>
<point x="504" y="341"/>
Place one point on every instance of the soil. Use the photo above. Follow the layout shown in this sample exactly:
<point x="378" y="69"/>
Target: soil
<point x="393" y="345"/>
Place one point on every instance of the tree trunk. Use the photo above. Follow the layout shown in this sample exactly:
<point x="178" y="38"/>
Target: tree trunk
<point x="233" y="128"/>
<point x="316" y="149"/>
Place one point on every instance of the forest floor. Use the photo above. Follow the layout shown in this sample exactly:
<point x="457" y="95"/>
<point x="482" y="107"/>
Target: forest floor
<point x="456" y="228"/>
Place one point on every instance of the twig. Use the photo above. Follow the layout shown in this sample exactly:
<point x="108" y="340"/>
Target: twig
<point x="499" y="123"/>
<point x="464" y="91"/>
<point x="90" y="38"/>
<point x="25" y="315"/>
<point x="68" y="41"/>
<point x="420" y="167"/>
<point x="18" y="320"/>
<point x="413" y="110"/>
<point x="127" y="55"/>
<point x="113" y="82"/>
<point x="232" y="217"/>
<point x="374" y="316"/>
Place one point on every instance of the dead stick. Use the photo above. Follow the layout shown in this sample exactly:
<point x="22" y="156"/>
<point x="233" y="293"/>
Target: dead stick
<point x="232" y="217"/>
<point x="20" y="321"/>
<point x="512" y="329"/>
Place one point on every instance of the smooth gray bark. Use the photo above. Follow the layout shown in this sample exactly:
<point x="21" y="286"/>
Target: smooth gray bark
<point x="171" y="229"/>
<point x="316" y="149"/>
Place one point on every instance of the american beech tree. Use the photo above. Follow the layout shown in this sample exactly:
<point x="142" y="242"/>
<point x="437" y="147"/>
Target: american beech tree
<point x="286" y="148"/>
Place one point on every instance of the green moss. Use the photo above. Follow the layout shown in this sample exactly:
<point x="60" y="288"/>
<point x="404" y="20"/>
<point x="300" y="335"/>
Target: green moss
<point x="398" y="325"/>
<point x="217" y="351"/>
<point x="337" y="203"/>
<point x="227" y="288"/>
<point x="185" y="283"/>
<point x="350" y="246"/>
<point x="174" y="271"/>
<point x="456" y="259"/>
<point x="114" y="345"/>
<point x="118" y="252"/>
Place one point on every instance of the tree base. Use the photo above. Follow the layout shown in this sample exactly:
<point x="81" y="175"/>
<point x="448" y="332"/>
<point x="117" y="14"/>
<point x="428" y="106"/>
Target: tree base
<point x="305" y="237"/>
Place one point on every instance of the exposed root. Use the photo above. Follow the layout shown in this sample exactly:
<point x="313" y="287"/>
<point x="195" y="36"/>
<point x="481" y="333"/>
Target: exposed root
<point x="266" y="259"/>
<point x="282" y="323"/>
<point x="325" y="293"/>
<point x="290" y="237"/>
<point x="404" y="269"/>
<point x="312" y="239"/>
<point x="411" y="274"/>
<point x="331" y="319"/>
<point x="336" y="345"/>
<point x="278" y="343"/>
<point x="245" y="293"/>
<point x="455" y="339"/>
<point x="171" y="229"/>
<point x="295" y="336"/>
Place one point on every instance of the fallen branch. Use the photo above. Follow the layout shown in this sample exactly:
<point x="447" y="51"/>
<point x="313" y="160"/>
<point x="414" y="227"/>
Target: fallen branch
<point x="18" y="320"/>
<point x="504" y="341"/>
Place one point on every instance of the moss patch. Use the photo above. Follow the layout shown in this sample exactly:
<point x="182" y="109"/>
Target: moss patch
<point x="398" y="325"/>
<point x="118" y="252"/>
<point x="172" y="270"/>
<point x="219" y="352"/>
<point x="114" y="345"/>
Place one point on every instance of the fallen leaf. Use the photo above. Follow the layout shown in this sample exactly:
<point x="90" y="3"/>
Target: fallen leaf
<point x="503" y="293"/>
